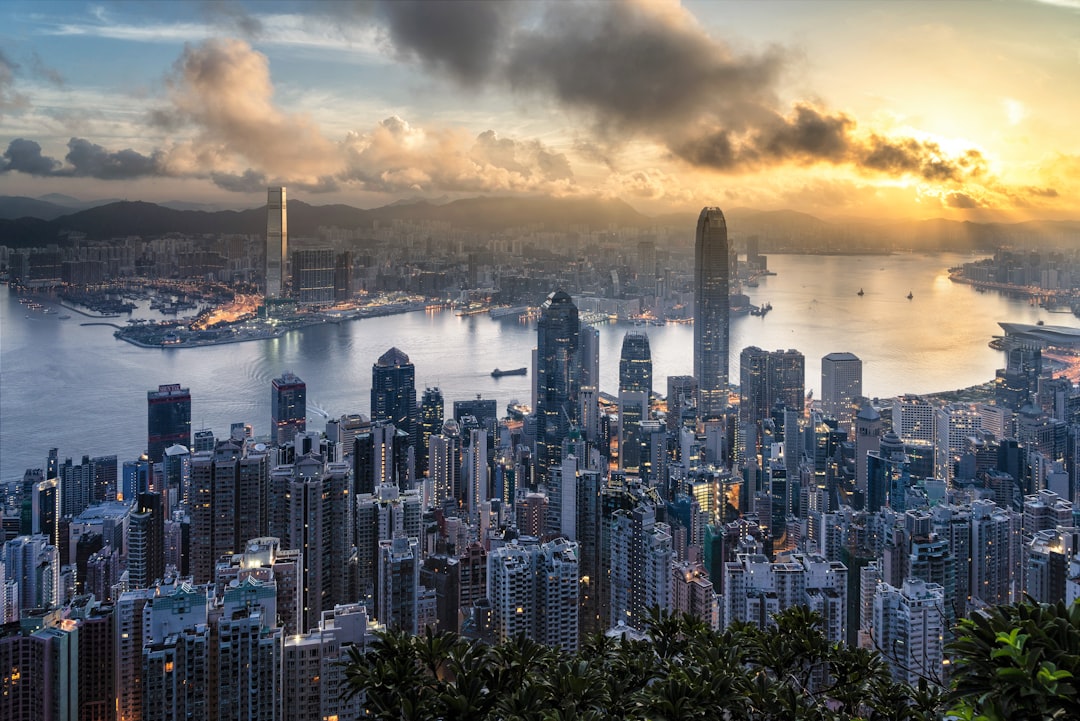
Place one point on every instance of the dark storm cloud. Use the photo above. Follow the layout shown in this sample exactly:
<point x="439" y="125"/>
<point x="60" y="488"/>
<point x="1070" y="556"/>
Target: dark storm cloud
<point x="640" y="69"/>
<point x="90" y="160"/>
<point x="250" y="181"/>
<point x="24" y="156"/>
<point x="84" y="160"/>
<point x="459" y="38"/>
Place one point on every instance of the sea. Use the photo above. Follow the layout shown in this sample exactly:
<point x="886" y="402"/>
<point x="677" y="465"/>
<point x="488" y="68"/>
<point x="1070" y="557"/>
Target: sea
<point x="72" y="386"/>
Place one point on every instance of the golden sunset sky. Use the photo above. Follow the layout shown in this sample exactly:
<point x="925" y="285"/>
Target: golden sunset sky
<point x="964" y="110"/>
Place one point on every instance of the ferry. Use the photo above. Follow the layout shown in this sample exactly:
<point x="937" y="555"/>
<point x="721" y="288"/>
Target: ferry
<point x="515" y="372"/>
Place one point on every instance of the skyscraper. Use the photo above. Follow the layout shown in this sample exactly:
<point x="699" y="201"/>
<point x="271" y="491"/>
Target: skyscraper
<point x="635" y="364"/>
<point x="168" y="419"/>
<point x="277" y="242"/>
<point x="288" y="408"/>
<point x="557" y="376"/>
<point x="711" y="311"/>
<point x="393" y="392"/>
<point x="432" y="412"/>
<point x="146" y="541"/>
<point x="313" y="273"/>
<point x="841" y="384"/>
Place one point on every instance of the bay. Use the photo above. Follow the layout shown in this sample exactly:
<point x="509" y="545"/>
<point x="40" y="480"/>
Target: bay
<point x="79" y="389"/>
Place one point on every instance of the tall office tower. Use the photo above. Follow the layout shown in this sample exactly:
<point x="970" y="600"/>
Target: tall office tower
<point x="953" y="425"/>
<point x="557" y="377"/>
<point x="995" y="554"/>
<point x="1039" y="431"/>
<point x="248" y="652"/>
<point x="641" y="562"/>
<point x="34" y="564"/>
<point x="635" y="363"/>
<point x="888" y="475"/>
<point x="203" y="440"/>
<point x="998" y="420"/>
<point x="711" y="313"/>
<point x="314" y="666"/>
<point x="313" y="273"/>
<point x="168" y="419"/>
<point x="399" y="583"/>
<point x="146" y="541"/>
<point x="288" y="408"/>
<point x="755" y="589"/>
<point x="320" y="526"/>
<point x="230" y="503"/>
<point x="177" y="477"/>
<point x="633" y="409"/>
<point x="277" y="243"/>
<point x="45" y="510"/>
<point x="868" y="430"/>
<point x="393" y="393"/>
<point x="75" y="486"/>
<point x="913" y="419"/>
<point x="1015" y="385"/>
<point x="432" y="414"/>
<point x="176" y="676"/>
<point x="589" y="356"/>
<point x="682" y="394"/>
<point x="767" y="379"/>
<point x="908" y="629"/>
<point x="343" y="276"/>
<point x="693" y="593"/>
<point x="841" y="385"/>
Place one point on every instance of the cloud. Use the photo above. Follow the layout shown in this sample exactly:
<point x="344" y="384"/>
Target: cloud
<point x="250" y="181"/>
<point x="45" y="72"/>
<point x="222" y="90"/>
<point x="10" y="99"/>
<point x="231" y="15"/>
<point x="961" y="200"/>
<point x="84" y="160"/>
<point x="397" y="156"/>
<point x="1042" y="192"/>
<point x="24" y="156"/>
<point x="648" y="69"/>
<point x="88" y="159"/>
<point x="459" y="38"/>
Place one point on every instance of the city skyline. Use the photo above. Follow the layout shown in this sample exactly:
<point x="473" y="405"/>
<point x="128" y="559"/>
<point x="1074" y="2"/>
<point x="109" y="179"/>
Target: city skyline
<point x="909" y="110"/>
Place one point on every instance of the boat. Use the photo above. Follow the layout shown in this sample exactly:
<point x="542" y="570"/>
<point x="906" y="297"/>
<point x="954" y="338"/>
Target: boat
<point x="910" y="295"/>
<point x="515" y="372"/>
<point x="861" y="292"/>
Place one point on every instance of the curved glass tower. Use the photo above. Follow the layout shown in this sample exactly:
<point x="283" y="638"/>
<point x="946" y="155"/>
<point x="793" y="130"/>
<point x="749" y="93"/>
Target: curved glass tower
<point x="557" y="376"/>
<point x="711" y="311"/>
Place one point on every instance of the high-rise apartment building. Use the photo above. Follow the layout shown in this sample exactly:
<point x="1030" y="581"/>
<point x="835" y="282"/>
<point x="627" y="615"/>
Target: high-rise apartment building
<point x="711" y="312"/>
<point x="841" y="385"/>
<point x="908" y="629"/>
<point x="398" y="583"/>
<point x="641" y="563"/>
<point x="953" y="425"/>
<point x="557" y="377"/>
<point x="277" y="243"/>
<point x="168" y="420"/>
<point x="534" y="591"/>
<point x="288" y="408"/>
<point x="146" y="541"/>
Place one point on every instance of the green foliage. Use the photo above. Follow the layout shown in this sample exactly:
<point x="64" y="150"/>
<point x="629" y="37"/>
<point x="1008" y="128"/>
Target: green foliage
<point x="687" y="671"/>
<point x="1017" y="662"/>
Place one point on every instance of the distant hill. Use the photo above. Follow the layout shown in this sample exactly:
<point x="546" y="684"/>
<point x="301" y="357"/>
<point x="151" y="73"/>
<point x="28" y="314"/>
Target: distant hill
<point x="26" y="222"/>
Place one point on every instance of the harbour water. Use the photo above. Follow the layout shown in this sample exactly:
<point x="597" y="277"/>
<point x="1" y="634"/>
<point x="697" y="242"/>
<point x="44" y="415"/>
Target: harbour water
<point x="77" y="388"/>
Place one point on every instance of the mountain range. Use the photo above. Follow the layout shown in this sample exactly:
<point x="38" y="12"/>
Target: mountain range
<point x="30" y="222"/>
